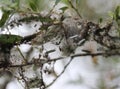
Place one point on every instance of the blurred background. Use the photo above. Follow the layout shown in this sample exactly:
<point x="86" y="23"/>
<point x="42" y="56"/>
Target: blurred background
<point x="82" y="73"/>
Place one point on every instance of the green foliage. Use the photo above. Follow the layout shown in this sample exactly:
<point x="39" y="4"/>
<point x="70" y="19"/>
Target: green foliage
<point x="33" y="4"/>
<point x="116" y="14"/>
<point x="7" y="8"/>
<point x="100" y="20"/>
<point x="40" y="18"/>
<point x="23" y="5"/>
<point x="17" y="4"/>
<point x="9" y="39"/>
<point x="36" y="5"/>
<point x="57" y="1"/>
<point x="5" y="16"/>
<point x="76" y="2"/>
<point x="9" y="4"/>
<point x="116" y="17"/>
<point x="65" y="2"/>
<point x="64" y="8"/>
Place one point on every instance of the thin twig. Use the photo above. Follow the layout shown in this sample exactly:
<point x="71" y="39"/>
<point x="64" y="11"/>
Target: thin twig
<point x="51" y="10"/>
<point x="42" y="85"/>
<point x="65" y="67"/>
<point x="43" y="61"/>
<point x="23" y="77"/>
<point x="21" y="54"/>
<point x="7" y="22"/>
<point x="69" y="1"/>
